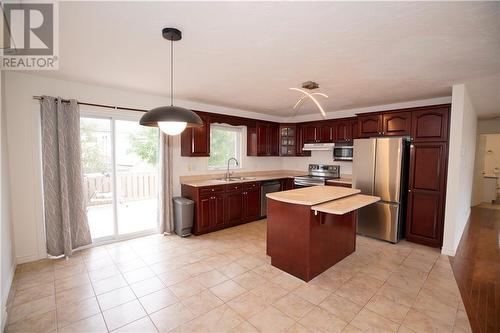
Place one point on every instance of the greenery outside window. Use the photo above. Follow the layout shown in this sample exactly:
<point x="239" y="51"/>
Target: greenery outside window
<point x="225" y="142"/>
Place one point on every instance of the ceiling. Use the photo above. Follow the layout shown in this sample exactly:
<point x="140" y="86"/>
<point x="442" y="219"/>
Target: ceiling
<point x="247" y="54"/>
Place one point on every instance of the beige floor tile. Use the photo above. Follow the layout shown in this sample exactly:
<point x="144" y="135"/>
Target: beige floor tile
<point x="319" y="320"/>
<point x="298" y="328"/>
<point x="247" y="304"/>
<point x="244" y="327"/>
<point x="72" y="282"/>
<point x="269" y="292"/>
<point x="41" y="323"/>
<point x="250" y="280"/>
<point x="123" y="314"/>
<point x="115" y="298"/>
<point x="271" y="320"/>
<point x="351" y="329"/>
<point x="462" y="324"/>
<point x="139" y="274"/>
<point x="33" y="280"/>
<point x="109" y="284"/>
<point x="340" y="307"/>
<point x="367" y="320"/>
<point x="173" y="277"/>
<point x="94" y="265"/>
<point x="64" y="273"/>
<point x="267" y="271"/>
<point x="435" y="307"/>
<point x="31" y="309"/>
<point x="398" y="295"/>
<point x="171" y="317"/>
<point x="130" y="265"/>
<point x="34" y="293"/>
<point x="211" y="278"/>
<point x="220" y="319"/>
<point x="71" y="313"/>
<point x="197" y="268"/>
<point x="202" y="303"/>
<point x="103" y="273"/>
<point x="293" y="306"/>
<point x="232" y="270"/>
<point x="287" y="281"/>
<point x="187" y="288"/>
<point x="355" y="293"/>
<point x="158" y="300"/>
<point x="144" y="325"/>
<point x="74" y="295"/>
<point x="94" y="324"/>
<point x="325" y="281"/>
<point x="147" y="286"/>
<point x="312" y="293"/>
<point x="227" y="290"/>
<point x="388" y="308"/>
<point x="419" y="321"/>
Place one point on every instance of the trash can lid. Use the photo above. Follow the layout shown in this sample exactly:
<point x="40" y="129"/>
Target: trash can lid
<point x="182" y="201"/>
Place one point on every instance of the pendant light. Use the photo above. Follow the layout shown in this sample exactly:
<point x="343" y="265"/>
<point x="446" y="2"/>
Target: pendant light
<point x="309" y="85"/>
<point x="171" y="120"/>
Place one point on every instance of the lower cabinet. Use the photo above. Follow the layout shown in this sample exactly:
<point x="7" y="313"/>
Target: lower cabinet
<point x="333" y="183"/>
<point x="218" y="207"/>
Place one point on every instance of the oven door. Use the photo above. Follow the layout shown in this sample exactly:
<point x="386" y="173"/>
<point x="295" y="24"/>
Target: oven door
<point x="342" y="153"/>
<point x="300" y="182"/>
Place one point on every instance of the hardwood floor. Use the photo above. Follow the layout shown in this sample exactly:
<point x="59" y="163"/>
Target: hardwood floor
<point x="476" y="266"/>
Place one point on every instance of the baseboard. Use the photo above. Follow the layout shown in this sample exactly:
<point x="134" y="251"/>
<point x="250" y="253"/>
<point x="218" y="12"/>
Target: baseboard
<point x="8" y="295"/>
<point x="28" y="258"/>
<point x="448" y="252"/>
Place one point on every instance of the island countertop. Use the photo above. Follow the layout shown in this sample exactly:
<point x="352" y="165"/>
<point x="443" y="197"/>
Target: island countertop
<point x="346" y="205"/>
<point x="313" y="195"/>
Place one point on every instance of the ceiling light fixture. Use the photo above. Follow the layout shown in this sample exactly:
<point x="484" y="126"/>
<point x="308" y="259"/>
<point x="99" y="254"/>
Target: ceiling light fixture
<point x="309" y="85"/>
<point x="171" y="120"/>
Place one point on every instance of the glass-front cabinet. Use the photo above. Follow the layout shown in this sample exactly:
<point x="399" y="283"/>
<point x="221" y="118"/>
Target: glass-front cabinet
<point x="287" y="140"/>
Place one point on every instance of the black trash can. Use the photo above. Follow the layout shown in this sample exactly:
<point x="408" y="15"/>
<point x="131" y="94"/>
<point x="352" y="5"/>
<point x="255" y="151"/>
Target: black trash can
<point x="183" y="216"/>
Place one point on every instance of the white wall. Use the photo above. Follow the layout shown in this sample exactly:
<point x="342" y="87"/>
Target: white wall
<point x="6" y="249"/>
<point x="23" y="134"/>
<point x="462" y="147"/>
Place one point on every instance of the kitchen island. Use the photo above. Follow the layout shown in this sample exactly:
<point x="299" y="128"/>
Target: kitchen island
<point x="310" y="229"/>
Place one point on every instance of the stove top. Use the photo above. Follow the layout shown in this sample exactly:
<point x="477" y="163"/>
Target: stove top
<point x="318" y="175"/>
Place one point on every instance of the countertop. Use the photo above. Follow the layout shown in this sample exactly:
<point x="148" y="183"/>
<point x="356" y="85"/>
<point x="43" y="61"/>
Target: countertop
<point x="312" y="195"/>
<point x="344" y="179"/>
<point x="345" y="205"/>
<point x="253" y="177"/>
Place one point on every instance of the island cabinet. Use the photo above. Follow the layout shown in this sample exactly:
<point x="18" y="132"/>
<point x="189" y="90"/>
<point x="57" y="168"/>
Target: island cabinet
<point x="263" y="139"/>
<point x="221" y="206"/>
<point x="195" y="141"/>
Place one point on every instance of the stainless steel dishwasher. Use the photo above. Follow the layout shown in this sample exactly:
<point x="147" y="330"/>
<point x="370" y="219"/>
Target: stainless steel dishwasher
<point x="269" y="186"/>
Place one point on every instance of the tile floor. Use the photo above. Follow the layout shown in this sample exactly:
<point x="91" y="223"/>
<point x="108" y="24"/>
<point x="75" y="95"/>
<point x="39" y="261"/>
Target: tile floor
<point x="223" y="281"/>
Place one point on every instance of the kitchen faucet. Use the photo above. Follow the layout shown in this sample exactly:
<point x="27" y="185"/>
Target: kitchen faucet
<point x="228" y="174"/>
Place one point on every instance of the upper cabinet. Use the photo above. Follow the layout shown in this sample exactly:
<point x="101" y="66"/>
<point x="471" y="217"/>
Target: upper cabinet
<point x="288" y="140"/>
<point x="369" y="125"/>
<point x="343" y="131"/>
<point x="300" y="140"/>
<point x="326" y="132"/>
<point x="430" y="124"/>
<point x="195" y="141"/>
<point x="263" y="139"/>
<point x="396" y="123"/>
<point x="323" y="131"/>
<point x="354" y="128"/>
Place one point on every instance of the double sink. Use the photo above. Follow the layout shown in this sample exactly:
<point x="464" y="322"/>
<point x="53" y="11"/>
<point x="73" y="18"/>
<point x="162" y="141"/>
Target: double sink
<point x="234" y="179"/>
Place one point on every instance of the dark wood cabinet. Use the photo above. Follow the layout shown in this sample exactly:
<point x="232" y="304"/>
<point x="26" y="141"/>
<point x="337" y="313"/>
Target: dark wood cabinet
<point x="311" y="134"/>
<point x="234" y="204"/>
<point x="326" y="132"/>
<point x="204" y="214"/>
<point x="300" y="140"/>
<point x="430" y="124"/>
<point x="396" y="123"/>
<point x="195" y="141"/>
<point x="251" y="202"/>
<point x="287" y="184"/>
<point x="316" y="132"/>
<point x="426" y="193"/>
<point x="287" y="140"/>
<point x="333" y="183"/>
<point x="263" y="139"/>
<point x="354" y="129"/>
<point x="369" y="125"/>
<point x="343" y="131"/>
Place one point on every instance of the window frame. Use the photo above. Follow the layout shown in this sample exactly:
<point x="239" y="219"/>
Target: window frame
<point x="239" y="146"/>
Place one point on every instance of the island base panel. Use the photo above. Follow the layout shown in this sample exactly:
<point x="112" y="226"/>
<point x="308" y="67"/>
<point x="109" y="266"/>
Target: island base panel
<point x="304" y="244"/>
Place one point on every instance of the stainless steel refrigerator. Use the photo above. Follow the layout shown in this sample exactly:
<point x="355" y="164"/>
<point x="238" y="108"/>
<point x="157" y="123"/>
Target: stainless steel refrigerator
<point x="380" y="168"/>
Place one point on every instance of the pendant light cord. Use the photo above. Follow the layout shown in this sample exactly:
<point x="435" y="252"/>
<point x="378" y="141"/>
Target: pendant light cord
<point x="171" y="73"/>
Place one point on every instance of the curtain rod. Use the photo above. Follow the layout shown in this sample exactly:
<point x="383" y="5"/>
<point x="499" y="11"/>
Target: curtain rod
<point x="98" y="105"/>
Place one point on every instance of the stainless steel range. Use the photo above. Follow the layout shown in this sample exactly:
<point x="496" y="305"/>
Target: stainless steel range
<point x="318" y="175"/>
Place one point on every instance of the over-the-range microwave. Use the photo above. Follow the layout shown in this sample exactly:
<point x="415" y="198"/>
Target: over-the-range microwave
<point x="342" y="153"/>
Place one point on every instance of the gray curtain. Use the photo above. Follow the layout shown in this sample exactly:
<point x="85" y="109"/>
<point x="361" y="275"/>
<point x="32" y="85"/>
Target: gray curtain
<point x="66" y="224"/>
<point x="166" y="211"/>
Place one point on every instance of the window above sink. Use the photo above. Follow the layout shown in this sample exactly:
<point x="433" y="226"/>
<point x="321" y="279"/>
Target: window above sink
<point x="225" y="142"/>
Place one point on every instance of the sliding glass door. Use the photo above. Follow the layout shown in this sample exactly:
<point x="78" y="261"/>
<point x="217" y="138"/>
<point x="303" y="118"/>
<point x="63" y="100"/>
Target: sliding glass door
<point x="120" y="174"/>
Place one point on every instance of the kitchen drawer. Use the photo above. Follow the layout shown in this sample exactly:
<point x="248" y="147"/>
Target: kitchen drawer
<point x="211" y="190"/>
<point x="330" y="183"/>
<point x="234" y="187"/>
<point x="251" y="186"/>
